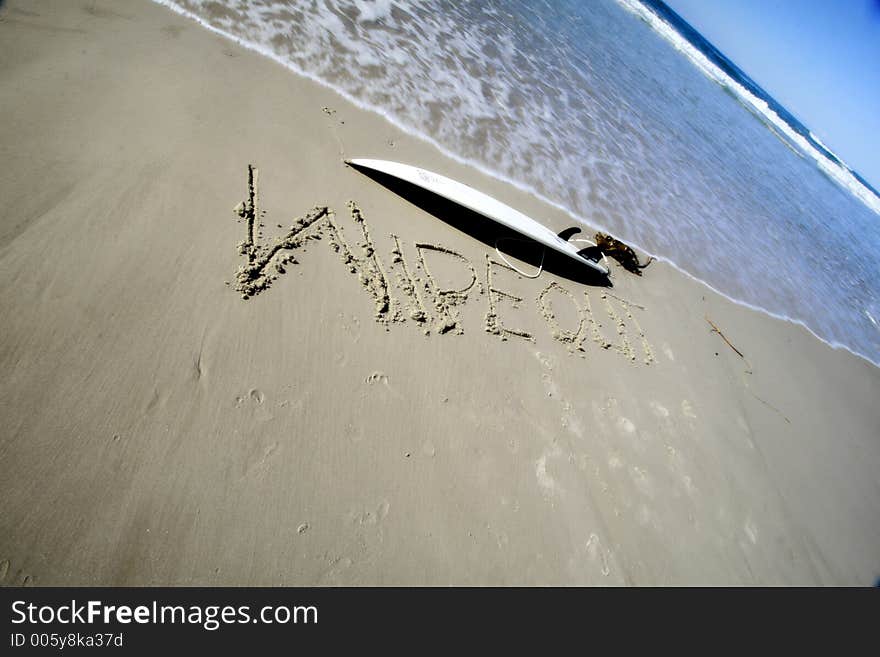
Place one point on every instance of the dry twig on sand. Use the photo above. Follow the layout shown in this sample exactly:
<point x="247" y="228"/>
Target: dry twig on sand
<point x="724" y="337"/>
<point x="715" y="329"/>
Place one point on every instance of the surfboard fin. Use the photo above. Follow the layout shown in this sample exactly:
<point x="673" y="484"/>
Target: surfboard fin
<point x="568" y="232"/>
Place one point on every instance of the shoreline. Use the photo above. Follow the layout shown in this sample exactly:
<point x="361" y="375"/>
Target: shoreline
<point x="523" y="187"/>
<point x="395" y="406"/>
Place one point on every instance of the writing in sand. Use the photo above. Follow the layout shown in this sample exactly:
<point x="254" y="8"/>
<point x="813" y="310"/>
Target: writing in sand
<point x="406" y="290"/>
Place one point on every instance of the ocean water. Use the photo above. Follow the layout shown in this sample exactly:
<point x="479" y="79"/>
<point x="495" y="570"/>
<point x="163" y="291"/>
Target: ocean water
<point x="614" y="112"/>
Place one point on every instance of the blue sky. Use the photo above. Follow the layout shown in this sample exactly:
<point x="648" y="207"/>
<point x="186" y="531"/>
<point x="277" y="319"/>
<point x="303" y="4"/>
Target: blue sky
<point x="819" y="58"/>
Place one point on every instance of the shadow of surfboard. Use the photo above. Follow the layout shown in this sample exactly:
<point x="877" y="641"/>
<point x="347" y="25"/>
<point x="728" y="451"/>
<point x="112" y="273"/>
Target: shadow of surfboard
<point x="489" y="232"/>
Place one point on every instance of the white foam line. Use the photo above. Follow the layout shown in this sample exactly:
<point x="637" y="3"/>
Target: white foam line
<point x="842" y="175"/>
<point x="169" y="4"/>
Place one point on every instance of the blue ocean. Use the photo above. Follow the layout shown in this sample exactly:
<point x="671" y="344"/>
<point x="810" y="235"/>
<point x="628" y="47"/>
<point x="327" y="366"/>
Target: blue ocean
<point x="618" y="112"/>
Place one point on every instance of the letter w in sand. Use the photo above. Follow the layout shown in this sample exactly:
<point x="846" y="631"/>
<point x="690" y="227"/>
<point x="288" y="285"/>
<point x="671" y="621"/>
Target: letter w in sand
<point x="266" y="261"/>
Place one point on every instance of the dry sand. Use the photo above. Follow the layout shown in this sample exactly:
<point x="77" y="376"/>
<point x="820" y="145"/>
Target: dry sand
<point x="379" y="414"/>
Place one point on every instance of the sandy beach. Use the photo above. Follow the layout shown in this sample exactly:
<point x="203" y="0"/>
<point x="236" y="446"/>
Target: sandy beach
<point x="390" y="404"/>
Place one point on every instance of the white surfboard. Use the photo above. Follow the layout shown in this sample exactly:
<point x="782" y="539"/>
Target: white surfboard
<point x="480" y="203"/>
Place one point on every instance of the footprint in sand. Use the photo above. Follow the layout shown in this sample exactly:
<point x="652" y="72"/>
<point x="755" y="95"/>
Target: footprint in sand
<point x="351" y="325"/>
<point x="377" y="378"/>
<point x="367" y="533"/>
<point x="370" y="517"/>
<point x="546" y="481"/>
<point x="355" y="433"/>
<point x="598" y="415"/>
<point x="688" y="410"/>
<point x="549" y="384"/>
<point x="253" y="396"/>
<point x="642" y="480"/>
<point x="545" y="361"/>
<point x="688" y="484"/>
<point x="254" y="402"/>
<point x="337" y="565"/>
<point x="380" y="380"/>
<point x="677" y="466"/>
<point x="626" y="425"/>
<point x="659" y="409"/>
<point x="502" y="540"/>
<point x="571" y="422"/>
<point x="568" y="419"/>
<point x="597" y="555"/>
<point x="18" y="579"/>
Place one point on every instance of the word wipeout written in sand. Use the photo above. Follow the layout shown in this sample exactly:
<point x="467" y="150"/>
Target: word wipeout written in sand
<point x="406" y="290"/>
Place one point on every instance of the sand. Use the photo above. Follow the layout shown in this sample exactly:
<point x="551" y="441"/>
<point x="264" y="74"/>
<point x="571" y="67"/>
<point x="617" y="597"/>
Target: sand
<point x="390" y="404"/>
